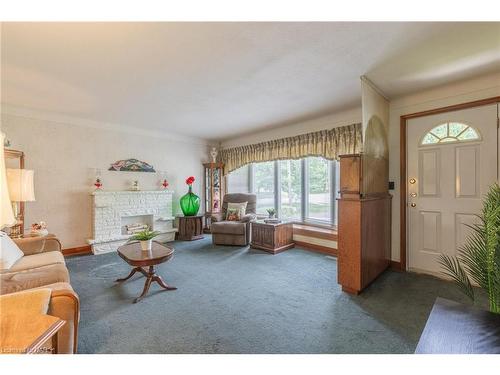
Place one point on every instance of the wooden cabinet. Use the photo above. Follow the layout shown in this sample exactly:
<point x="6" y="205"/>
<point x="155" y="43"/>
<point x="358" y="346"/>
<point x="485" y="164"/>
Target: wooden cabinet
<point x="214" y="190"/>
<point x="364" y="229"/>
<point x="190" y="228"/>
<point x="273" y="238"/>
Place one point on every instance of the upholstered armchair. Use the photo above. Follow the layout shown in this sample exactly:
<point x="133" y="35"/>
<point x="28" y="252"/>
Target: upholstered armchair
<point x="234" y="232"/>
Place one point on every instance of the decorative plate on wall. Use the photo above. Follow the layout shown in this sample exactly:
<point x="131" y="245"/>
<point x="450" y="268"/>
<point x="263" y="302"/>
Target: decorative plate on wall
<point x="131" y="165"/>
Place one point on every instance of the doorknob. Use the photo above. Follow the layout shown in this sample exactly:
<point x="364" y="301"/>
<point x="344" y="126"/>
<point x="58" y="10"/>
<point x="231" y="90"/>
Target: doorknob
<point x="413" y="195"/>
<point x="412" y="181"/>
<point x="413" y="204"/>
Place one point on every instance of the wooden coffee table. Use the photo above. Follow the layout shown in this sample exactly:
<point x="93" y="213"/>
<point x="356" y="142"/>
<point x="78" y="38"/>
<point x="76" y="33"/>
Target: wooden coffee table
<point x="139" y="259"/>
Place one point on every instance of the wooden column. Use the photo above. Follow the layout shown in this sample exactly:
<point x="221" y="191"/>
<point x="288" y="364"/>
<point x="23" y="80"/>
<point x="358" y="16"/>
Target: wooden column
<point x="364" y="229"/>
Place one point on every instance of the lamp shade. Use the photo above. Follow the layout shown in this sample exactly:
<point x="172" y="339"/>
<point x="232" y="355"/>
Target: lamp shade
<point x="6" y="215"/>
<point x="21" y="187"/>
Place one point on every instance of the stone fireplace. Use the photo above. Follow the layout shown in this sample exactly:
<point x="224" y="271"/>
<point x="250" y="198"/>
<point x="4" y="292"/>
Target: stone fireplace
<point x="114" y="211"/>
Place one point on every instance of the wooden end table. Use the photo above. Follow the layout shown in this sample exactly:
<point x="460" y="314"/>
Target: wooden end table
<point x="137" y="258"/>
<point x="190" y="228"/>
<point x="272" y="237"/>
<point x="27" y="330"/>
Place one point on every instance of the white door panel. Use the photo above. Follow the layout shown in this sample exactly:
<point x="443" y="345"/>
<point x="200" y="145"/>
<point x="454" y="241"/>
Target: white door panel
<point x="452" y="167"/>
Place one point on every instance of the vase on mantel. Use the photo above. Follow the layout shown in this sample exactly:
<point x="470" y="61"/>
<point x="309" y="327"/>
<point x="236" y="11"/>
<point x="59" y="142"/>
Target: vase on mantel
<point x="190" y="202"/>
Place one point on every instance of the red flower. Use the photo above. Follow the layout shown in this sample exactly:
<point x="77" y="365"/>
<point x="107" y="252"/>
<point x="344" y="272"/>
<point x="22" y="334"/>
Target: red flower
<point x="190" y="180"/>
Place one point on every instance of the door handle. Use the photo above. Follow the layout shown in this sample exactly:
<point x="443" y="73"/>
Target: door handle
<point x="413" y="204"/>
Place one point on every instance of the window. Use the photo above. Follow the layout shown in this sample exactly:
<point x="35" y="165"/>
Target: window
<point x="319" y="189"/>
<point x="263" y="186"/>
<point x="290" y="182"/>
<point x="238" y="181"/>
<point x="300" y="190"/>
<point x="450" y="132"/>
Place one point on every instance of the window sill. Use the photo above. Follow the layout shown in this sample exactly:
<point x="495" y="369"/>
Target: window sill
<point x="314" y="231"/>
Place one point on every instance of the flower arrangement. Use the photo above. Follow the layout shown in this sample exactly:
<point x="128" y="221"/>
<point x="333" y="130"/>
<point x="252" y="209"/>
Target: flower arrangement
<point x="39" y="229"/>
<point x="190" y="180"/>
<point x="164" y="184"/>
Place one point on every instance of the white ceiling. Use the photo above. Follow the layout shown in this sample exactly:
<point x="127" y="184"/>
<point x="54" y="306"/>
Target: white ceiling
<point x="218" y="80"/>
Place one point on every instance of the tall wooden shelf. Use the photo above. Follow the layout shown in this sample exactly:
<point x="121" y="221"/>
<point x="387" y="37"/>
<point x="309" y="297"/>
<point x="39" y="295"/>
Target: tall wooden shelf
<point x="214" y="190"/>
<point x="364" y="229"/>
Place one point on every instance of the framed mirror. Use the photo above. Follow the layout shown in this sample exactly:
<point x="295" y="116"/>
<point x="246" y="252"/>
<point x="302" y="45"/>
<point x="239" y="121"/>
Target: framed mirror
<point x="14" y="159"/>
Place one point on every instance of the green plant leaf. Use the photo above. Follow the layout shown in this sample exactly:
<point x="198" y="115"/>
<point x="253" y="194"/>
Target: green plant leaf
<point x="454" y="270"/>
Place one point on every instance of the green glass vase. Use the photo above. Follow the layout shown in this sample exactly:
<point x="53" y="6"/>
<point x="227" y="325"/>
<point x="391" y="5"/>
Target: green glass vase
<point x="190" y="203"/>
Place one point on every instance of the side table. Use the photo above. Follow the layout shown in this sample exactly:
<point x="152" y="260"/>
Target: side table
<point x="24" y="325"/>
<point x="272" y="237"/>
<point x="190" y="228"/>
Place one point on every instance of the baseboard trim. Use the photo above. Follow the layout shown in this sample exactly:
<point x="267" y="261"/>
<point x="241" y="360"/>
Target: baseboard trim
<point x="395" y="266"/>
<point x="81" y="250"/>
<point x="317" y="248"/>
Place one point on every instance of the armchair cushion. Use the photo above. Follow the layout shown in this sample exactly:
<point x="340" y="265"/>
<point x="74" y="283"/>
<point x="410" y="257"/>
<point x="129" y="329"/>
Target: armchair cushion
<point x="9" y="252"/>
<point x="216" y="217"/>
<point x="241" y="207"/>
<point x="228" y="227"/>
<point x="233" y="214"/>
<point x="248" y="217"/>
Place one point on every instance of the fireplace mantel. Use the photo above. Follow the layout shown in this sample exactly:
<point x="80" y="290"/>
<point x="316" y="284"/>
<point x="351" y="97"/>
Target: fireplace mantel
<point x="110" y="207"/>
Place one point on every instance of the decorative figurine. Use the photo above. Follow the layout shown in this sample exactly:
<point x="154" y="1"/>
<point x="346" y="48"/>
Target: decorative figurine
<point x="213" y="154"/>
<point x="135" y="185"/>
<point x="39" y="229"/>
<point x="98" y="183"/>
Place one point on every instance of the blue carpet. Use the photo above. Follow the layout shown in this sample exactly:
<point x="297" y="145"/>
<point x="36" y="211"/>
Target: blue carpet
<point x="240" y="300"/>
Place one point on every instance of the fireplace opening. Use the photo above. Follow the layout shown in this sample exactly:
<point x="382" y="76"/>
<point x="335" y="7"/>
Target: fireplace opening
<point x="133" y="224"/>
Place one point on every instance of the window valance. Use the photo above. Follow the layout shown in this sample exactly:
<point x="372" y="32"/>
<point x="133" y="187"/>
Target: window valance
<point x="326" y="143"/>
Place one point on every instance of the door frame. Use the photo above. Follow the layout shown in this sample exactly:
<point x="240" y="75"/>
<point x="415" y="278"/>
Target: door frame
<point x="403" y="124"/>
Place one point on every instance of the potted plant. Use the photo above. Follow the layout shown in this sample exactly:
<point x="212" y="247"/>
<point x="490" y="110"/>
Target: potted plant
<point x="479" y="258"/>
<point x="271" y="212"/>
<point x="145" y="237"/>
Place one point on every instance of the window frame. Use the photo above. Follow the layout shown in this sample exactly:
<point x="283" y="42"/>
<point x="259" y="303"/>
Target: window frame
<point x="456" y="139"/>
<point x="304" y="201"/>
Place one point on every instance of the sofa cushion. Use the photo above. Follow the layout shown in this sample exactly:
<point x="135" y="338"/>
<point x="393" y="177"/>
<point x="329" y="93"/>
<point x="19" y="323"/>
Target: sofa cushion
<point x="32" y="278"/>
<point x="37" y="260"/>
<point x="9" y="252"/>
<point x="228" y="227"/>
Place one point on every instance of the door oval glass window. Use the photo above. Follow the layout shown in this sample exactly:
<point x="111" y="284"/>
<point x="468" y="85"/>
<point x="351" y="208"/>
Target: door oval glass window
<point x="450" y="132"/>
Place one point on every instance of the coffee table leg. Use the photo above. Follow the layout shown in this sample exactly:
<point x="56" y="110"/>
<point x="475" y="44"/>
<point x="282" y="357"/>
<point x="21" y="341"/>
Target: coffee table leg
<point x="162" y="283"/>
<point x="147" y="284"/>
<point x="150" y="277"/>
<point x="134" y="270"/>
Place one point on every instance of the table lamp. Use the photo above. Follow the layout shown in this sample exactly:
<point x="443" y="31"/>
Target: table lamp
<point x="21" y="189"/>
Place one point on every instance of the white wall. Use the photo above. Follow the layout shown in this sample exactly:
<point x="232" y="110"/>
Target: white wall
<point x="456" y="93"/>
<point x="341" y="118"/>
<point x="64" y="156"/>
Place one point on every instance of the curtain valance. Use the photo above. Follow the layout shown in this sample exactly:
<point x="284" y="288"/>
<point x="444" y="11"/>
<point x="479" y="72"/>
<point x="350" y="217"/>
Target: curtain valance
<point x="326" y="143"/>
